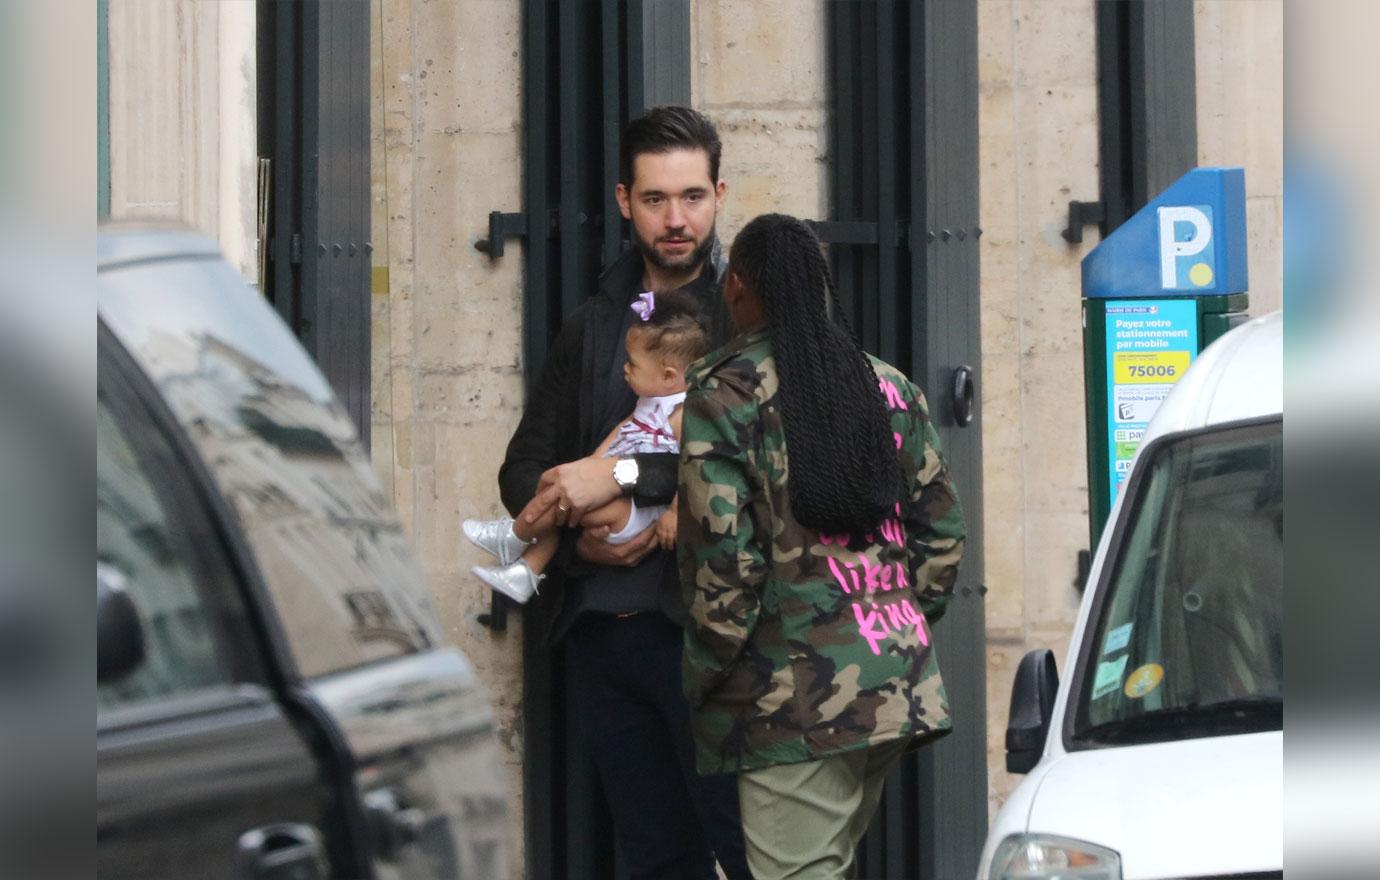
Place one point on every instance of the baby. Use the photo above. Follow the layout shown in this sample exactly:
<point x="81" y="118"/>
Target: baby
<point x="666" y="336"/>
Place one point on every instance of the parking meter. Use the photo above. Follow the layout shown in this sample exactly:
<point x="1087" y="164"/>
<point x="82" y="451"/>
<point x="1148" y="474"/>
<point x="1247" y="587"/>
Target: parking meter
<point x="1158" y="290"/>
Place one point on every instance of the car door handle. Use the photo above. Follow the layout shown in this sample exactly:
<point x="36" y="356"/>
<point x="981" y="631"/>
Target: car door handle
<point x="285" y="851"/>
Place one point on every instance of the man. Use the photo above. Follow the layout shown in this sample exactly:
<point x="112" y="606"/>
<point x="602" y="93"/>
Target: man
<point x="617" y="611"/>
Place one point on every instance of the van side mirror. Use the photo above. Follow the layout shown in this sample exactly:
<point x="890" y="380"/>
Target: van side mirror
<point x="1032" y="703"/>
<point x="119" y="634"/>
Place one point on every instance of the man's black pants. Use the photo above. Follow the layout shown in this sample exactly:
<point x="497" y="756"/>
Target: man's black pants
<point x="626" y="694"/>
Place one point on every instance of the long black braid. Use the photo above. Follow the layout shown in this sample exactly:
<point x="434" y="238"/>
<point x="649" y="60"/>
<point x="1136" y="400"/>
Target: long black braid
<point x="843" y="472"/>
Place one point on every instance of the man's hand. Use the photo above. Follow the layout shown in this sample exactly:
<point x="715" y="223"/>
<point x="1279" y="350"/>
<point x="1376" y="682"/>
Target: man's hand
<point x="600" y="552"/>
<point x="573" y="488"/>
<point x="666" y="529"/>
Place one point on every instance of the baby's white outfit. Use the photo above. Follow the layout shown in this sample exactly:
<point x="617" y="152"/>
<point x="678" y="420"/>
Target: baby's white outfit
<point x="648" y="429"/>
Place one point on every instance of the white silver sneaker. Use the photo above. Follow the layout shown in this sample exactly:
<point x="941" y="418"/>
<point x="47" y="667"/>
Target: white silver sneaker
<point x="515" y="581"/>
<point x="496" y="537"/>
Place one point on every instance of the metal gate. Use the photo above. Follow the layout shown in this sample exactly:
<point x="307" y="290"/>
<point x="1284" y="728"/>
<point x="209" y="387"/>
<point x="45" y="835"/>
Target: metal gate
<point x="313" y="75"/>
<point x="585" y="74"/>
<point x="903" y="241"/>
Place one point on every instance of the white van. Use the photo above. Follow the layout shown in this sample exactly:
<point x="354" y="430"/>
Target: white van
<point x="1161" y="753"/>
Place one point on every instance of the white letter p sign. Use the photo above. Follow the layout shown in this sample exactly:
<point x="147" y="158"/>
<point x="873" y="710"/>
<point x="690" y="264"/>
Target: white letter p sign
<point x="1171" y="249"/>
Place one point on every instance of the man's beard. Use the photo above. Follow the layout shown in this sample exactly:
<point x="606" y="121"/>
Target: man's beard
<point x="690" y="261"/>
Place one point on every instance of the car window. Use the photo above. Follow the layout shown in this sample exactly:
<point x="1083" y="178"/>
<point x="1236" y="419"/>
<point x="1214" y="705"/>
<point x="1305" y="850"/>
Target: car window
<point x="299" y="492"/>
<point x="1189" y="639"/>
<point x="138" y="539"/>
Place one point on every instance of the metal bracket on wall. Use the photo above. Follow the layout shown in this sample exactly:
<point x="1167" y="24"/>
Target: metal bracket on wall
<point x="844" y="231"/>
<point x="501" y="226"/>
<point x="496" y="618"/>
<point x="1081" y="214"/>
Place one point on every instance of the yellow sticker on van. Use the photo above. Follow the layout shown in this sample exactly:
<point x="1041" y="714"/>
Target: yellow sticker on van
<point x="1144" y="680"/>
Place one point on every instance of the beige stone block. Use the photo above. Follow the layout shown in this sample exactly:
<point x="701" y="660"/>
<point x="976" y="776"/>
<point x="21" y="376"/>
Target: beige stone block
<point x="996" y="43"/>
<point x="469" y="337"/>
<point x="997" y="155"/>
<point x="759" y="53"/>
<point x="380" y="361"/>
<point x="402" y="443"/>
<point x="1053" y="431"/>
<point x="467" y="66"/>
<point x="460" y="397"/>
<point x="1004" y="489"/>
<point x="1058" y="162"/>
<point x="1001" y="280"/>
<point x="1004" y="570"/>
<point x="1054" y="538"/>
<point x="1054" y="42"/>
<point x="466" y="486"/>
<point x="403" y="388"/>
<point x="1265" y="253"/>
<point x="400" y="311"/>
<point x="460" y="179"/>
<point x="381" y="454"/>
<point x="1052" y="310"/>
<point x="773" y="160"/>
<point x="404" y="488"/>
<point x="1000" y="393"/>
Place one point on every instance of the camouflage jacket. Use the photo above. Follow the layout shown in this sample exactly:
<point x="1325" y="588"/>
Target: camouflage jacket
<point x="802" y="644"/>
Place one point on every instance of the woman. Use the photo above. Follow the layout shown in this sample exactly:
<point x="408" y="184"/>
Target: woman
<point x="819" y="538"/>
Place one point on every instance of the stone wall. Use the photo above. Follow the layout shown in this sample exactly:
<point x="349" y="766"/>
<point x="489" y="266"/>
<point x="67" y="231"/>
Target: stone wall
<point x="1037" y="125"/>
<point x="758" y="72"/>
<point x="1239" y="62"/>
<point x="447" y="373"/>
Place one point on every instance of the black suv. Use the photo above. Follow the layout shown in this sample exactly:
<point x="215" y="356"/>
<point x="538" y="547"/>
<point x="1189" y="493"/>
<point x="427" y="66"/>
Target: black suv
<point x="275" y="699"/>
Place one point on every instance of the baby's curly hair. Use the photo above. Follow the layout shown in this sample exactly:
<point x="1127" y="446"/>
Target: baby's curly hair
<point x="676" y="331"/>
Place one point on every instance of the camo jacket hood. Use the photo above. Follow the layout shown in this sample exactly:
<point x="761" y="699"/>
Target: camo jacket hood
<point x="800" y="644"/>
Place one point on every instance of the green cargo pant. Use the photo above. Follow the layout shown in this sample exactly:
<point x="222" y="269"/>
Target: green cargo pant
<point x="805" y="820"/>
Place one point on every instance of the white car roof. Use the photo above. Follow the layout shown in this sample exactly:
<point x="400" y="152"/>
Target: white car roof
<point x="1238" y="377"/>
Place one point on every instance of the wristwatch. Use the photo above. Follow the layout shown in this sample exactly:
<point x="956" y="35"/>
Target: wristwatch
<point x="625" y="474"/>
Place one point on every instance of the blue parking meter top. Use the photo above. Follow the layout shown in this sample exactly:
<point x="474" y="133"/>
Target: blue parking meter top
<point x="1189" y="240"/>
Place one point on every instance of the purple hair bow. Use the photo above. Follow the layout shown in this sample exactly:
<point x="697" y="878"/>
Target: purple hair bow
<point x="645" y="305"/>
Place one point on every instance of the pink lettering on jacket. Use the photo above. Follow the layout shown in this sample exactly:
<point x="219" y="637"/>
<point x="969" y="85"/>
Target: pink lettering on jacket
<point x="863" y="578"/>
<point x="838" y="575"/>
<point x="878" y="624"/>
<point x="894" y="400"/>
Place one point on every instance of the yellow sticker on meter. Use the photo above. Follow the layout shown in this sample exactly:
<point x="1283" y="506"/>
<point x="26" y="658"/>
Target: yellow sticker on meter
<point x="1148" y="367"/>
<point x="1144" y="680"/>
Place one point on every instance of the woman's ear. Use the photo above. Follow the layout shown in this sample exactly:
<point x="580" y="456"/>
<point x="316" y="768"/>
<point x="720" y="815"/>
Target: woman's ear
<point x="732" y="284"/>
<point x="743" y="305"/>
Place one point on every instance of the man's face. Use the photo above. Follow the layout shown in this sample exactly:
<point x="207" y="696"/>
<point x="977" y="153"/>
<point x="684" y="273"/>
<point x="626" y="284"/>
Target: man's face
<point x="672" y="204"/>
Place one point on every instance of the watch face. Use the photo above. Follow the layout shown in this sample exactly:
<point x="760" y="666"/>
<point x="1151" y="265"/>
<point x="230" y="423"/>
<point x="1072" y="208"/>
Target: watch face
<point x="625" y="472"/>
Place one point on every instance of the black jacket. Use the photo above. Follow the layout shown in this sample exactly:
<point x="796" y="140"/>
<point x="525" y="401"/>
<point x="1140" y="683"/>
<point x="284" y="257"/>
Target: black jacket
<point x="568" y="413"/>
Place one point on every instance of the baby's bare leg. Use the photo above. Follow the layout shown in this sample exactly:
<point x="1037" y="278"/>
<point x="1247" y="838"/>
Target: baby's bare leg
<point x="539" y="555"/>
<point x="613" y="516"/>
<point x="546" y="525"/>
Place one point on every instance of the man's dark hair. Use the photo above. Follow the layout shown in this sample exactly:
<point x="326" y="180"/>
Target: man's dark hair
<point x="843" y="474"/>
<point x="663" y="129"/>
